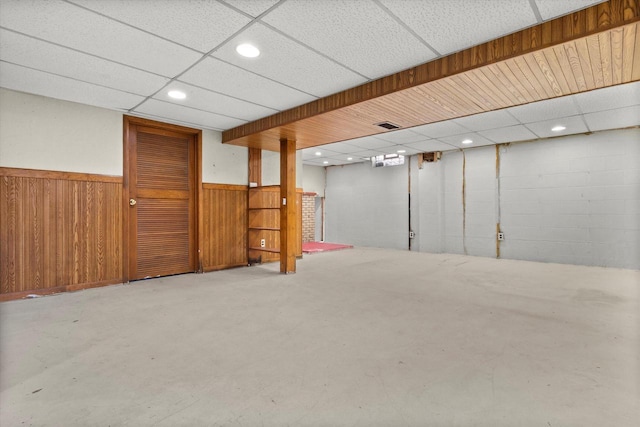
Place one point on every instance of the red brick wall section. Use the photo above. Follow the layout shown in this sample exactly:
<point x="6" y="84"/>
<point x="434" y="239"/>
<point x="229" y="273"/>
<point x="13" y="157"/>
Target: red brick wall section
<point x="308" y="217"/>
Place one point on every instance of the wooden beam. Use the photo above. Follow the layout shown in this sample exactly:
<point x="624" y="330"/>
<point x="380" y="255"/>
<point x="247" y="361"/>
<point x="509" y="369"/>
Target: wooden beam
<point x="288" y="206"/>
<point x="429" y="92"/>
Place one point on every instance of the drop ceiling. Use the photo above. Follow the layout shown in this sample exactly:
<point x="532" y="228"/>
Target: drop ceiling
<point x="126" y="55"/>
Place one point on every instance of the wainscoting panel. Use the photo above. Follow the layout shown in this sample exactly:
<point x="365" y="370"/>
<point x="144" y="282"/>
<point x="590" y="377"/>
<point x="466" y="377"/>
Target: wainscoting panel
<point x="264" y="223"/>
<point x="59" y="231"/>
<point x="225" y="226"/>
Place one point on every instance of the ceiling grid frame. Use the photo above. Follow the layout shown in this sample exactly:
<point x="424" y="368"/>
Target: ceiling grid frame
<point x="561" y="36"/>
<point x="86" y="75"/>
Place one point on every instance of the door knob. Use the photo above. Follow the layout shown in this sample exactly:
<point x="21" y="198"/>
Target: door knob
<point x="132" y="202"/>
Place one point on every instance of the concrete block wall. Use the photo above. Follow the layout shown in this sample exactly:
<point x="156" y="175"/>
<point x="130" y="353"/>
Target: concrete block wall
<point x="480" y="222"/>
<point x="313" y="179"/>
<point x="451" y="187"/>
<point x="366" y="206"/>
<point x="573" y="200"/>
<point x="443" y="223"/>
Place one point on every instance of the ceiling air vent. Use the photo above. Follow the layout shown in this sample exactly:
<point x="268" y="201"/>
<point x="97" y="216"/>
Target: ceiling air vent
<point x="388" y="125"/>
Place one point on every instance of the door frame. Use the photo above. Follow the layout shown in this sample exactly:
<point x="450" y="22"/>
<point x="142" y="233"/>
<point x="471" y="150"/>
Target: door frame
<point x="197" y="134"/>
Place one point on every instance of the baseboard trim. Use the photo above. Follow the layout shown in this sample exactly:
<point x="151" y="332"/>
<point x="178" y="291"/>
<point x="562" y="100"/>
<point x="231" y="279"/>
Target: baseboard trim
<point x="58" y="289"/>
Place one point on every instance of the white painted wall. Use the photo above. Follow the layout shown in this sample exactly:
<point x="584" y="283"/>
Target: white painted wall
<point x="440" y="223"/>
<point x="367" y="206"/>
<point x="44" y="133"/>
<point x="573" y="200"/>
<point x="223" y="163"/>
<point x="480" y="179"/>
<point x="271" y="168"/>
<point x="313" y="179"/>
<point x="49" y="134"/>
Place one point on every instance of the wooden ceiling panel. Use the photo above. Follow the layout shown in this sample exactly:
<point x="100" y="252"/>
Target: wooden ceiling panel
<point x="456" y="103"/>
<point x="543" y="74"/>
<point x="635" y="72"/>
<point x="616" y="55"/>
<point x="583" y="51"/>
<point x="628" y="49"/>
<point x="593" y="47"/>
<point x="523" y="73"/>
<point x="466" y="86"/>
<point x="604" y="43"/>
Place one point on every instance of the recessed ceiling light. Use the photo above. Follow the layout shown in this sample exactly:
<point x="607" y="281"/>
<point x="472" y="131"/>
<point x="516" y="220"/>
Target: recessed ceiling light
<point x="349" y="158"/>
<point x="558" y="128"/>
<point x="467" y="141"/>
<point x="176" y="94"/>
<point x="248" y="50"/>
<point x="326" y="162"/>
<point x="318" y="153"/>
<point x="402" y="151"/>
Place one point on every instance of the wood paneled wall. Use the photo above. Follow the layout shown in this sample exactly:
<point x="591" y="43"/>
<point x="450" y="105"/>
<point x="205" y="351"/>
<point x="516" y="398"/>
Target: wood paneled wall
<point x="58" y="231"/>
<point x="264" y="222"/>
<point x="225" y="226"/>
<point x="62" y="231"/>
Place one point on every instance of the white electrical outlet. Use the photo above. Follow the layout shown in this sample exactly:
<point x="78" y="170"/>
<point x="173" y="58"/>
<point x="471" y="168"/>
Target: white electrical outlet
<point x="263" y="243"/>
<point x="500" y="236"/>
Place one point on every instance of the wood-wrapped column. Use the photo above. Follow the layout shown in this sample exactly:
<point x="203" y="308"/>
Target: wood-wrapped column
<point x="288" y="206"/>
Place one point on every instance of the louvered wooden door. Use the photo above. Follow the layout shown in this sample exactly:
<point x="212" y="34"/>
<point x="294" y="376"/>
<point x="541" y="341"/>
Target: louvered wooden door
<point x="162" y="202"/>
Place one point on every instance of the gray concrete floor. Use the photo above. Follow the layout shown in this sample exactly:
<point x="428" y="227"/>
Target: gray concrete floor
<point x="361" y="337"/>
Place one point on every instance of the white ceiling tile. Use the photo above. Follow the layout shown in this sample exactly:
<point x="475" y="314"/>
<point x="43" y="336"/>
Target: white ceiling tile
<point x="72" y="26"/>
<point x="408" y="151"/>
<point x="178" y="112"/>
<point x="544" y="110"/>
<point x="436" y="130"/>
<point x="370" y="142"/>
<point x="91" y="58"/>
<point x="367" y="153"/>
<point x="338" y="29"/>
<point x="289" y="63"/>
<point x="508" y="134"/>
<point x="33" y="53"/>
<point x="614" y="119"/>
<point x="343" y="160"/>
<point x="318" y="162"/>
<point x="392" y="150"/>
<point x="214" y="102"/>
<point x="252" y="7"/>
<point x="489" y="120"/>
<point x="609" y="98"/>
<point x="573" y="125"/>
<point x="171" y="19"/>
<point x="402" y="136"/>
<point x="550" y="9"/>
<point x="40" y="83"/>
<point x="452" y="25"/>
<point x="478" y="140"/>
<point x="430" y="145"/>
<point x="310" y="153"/>
<point x="216" y="75"/>
<point x="340" y="147"/>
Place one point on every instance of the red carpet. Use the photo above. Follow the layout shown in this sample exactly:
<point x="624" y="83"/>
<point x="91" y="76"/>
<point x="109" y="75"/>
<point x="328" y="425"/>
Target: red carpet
<point x="314" y="247"/>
